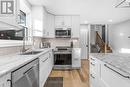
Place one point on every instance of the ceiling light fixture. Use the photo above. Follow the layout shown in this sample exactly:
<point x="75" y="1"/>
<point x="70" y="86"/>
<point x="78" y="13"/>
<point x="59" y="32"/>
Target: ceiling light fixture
<point x="85" y="22"/>
<point x="110" y="20"/>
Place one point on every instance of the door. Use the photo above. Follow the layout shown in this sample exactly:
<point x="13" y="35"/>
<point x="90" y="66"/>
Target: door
<point x="84" y="41"/>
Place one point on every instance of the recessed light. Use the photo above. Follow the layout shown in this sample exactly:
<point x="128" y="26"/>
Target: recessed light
<point x="110" y="20"/>
<point x="85" y="22"/>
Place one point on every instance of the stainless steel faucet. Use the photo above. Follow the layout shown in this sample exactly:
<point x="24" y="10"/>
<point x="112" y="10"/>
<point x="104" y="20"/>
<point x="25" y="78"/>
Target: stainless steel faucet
<point x="23" y="50"/>
<point x="23" y="46"/>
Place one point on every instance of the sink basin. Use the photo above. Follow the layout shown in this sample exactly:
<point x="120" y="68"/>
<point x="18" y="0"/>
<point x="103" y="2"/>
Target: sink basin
<point x="31" y="53"/>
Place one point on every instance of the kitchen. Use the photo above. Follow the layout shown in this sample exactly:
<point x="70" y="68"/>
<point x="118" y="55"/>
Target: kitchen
<point x="46" y="43"/>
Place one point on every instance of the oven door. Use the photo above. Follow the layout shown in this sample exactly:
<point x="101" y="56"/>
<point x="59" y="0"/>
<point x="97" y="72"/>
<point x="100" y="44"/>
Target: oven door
<point x="62" y="60"/>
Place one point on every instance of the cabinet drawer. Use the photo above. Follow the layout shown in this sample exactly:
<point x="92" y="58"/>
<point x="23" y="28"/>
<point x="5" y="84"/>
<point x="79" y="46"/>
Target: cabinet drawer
<point x="93" y="65"/>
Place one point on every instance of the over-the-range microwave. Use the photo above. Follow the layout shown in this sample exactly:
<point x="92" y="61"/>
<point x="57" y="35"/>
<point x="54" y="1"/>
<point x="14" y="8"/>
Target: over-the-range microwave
<point x="63" y="33"/>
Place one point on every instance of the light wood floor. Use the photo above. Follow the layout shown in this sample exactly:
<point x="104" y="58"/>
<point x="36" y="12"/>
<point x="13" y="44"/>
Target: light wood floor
<point x="74" y="78"/>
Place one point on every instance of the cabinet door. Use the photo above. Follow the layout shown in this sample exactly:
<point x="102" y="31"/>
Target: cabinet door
<point x="76" y="57"/>
<point x="5" y="81"/>
<point x="50" y="26"/>
<point x="45" y="23"/>
<point x="68" y="21"/>
<point x="93" y="82"/>
<point x="59" y="21"/>
<point x="43" y="69"/>
<point x="110" y="78"/>
<point x="94" y="72"/>
<point x="51" y="59"/>
<point x="75" y="26"/>
<point x="37" y="20"/>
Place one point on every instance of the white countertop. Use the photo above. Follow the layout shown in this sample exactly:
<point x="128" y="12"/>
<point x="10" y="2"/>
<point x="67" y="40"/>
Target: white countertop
<point x="9" y="63"/>
<point x="121" y="62"/>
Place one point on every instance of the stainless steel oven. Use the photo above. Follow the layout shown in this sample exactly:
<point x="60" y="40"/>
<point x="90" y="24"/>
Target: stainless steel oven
<point x="63" y="33"/>
<point x="63" y="58"/>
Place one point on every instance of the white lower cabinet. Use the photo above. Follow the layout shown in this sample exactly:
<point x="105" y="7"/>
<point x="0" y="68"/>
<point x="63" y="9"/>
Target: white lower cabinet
<point x="94" y="72"/>
<point x="76" y="57"/>
<point x="103" y="75"/>
<point x="45" y="67"/>
<point x="5" y="81"/>
<point x="112" y="78"/>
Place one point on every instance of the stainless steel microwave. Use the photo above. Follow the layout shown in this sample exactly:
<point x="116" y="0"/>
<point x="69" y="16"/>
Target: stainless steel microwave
<point x="63" y="33"/>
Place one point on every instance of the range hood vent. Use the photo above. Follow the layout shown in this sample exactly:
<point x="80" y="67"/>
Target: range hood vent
<point x="123" y="4"/>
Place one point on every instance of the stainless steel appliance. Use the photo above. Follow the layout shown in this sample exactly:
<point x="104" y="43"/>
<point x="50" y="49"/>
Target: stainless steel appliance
<point x="63" y="33"/>
<point x="26" y="76"/>
<point x="63" y="58"/>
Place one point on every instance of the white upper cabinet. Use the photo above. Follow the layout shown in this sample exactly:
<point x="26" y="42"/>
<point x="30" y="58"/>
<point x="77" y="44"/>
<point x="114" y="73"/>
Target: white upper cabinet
<point x="50" y="30"/>
<point x="37" y="20"/>
<point x="59" y="21"/>
<point x="63" y="21"/>
<point x="75" y="26"/>
<point x="72" y="22"/>
<point x="68" y="21"/>
<point x="10" y="20"/>
<point x="45" y="22"/>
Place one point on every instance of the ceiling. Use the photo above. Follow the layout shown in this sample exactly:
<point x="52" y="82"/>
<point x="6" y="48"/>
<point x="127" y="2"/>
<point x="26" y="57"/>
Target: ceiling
<point x="91" y="11"/>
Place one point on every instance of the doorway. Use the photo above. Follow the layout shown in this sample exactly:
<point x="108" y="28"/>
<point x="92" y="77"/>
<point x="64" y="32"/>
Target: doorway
<point x="84" y="43"/>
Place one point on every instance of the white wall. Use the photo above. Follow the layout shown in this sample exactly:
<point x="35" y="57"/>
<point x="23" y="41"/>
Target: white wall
<point x="118" y="36"/>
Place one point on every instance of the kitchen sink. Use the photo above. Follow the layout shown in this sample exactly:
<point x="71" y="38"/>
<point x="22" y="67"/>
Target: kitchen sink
<point x="31" y="53"/>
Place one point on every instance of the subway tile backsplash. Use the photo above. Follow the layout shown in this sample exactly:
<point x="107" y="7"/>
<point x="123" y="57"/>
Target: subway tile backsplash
<point x="62" y="42"/>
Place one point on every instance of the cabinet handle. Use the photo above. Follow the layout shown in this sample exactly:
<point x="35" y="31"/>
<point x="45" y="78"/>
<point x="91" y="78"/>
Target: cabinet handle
<point x="116" y="71"/>
<point x="49" y="55"/>
<point x="92" y="64"/>
<point x="45" y="59"/>
<point x="10" y="81"/>
<point x="92" y="76"/>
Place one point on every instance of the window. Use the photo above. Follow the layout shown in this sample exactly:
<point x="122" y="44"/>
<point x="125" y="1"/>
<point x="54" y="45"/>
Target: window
<point x="22" y="21"/>
<point x="22" y="18"/>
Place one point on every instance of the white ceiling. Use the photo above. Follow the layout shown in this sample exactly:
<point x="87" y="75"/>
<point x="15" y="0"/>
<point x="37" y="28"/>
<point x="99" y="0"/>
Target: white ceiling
<point x="92" y="11"/>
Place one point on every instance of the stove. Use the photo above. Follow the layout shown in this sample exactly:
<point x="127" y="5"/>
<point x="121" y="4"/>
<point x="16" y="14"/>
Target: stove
<point x="63" y="57"/>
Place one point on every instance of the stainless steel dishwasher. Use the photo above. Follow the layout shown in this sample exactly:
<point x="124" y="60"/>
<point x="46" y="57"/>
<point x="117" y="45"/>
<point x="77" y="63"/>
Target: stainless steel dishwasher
<point x="27" y="75"/>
